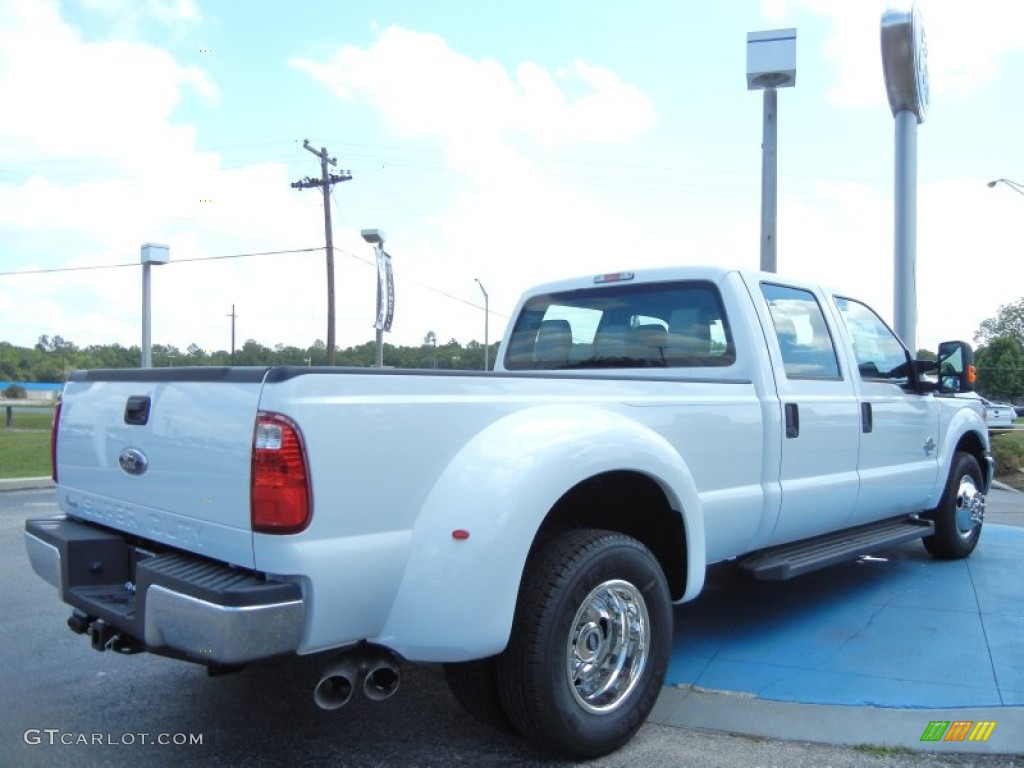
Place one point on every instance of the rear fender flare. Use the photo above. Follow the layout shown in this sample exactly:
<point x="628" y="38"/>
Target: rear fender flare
<point x="458" y="595"/>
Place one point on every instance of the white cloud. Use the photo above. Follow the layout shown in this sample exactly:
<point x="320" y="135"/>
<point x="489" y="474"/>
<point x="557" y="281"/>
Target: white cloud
<point x="509" y="218"/>
<point x="424" y="89"/>
<point x="966" y="42"/>
<point x="128" y="14"/>
<point x="117" y="95"/>
<point x="775" y="10"/>
<point x="96" y="165"/>
<point x="963" y="272"/>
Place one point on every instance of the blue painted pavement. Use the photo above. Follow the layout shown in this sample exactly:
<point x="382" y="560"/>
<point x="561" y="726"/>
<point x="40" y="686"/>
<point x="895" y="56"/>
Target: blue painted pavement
<point x="899" y="629"/>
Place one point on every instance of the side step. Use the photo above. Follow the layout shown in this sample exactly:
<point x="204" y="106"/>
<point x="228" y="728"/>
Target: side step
<point x="789" y="560"/>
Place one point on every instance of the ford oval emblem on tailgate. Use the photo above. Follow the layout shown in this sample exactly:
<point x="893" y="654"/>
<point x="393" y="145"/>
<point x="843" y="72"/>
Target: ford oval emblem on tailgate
<point x="132" y="461"/>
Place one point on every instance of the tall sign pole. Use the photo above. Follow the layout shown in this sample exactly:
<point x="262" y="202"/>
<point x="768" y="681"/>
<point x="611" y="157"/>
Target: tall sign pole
<point x="324" y="182"/>
<point x="771" y="64"/>
<point x="905" y="65"/>
<point x="487" y="322"/>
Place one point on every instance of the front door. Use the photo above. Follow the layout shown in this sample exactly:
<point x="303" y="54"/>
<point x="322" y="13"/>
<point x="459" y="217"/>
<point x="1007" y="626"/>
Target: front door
<point x="900" y="426"/>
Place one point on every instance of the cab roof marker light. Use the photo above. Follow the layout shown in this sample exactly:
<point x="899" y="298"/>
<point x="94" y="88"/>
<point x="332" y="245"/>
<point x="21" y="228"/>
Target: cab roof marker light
<point x="614" y="277"/>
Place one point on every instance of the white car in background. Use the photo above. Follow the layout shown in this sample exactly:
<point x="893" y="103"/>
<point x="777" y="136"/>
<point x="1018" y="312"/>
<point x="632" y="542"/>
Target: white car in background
<point x="998" y="414"/>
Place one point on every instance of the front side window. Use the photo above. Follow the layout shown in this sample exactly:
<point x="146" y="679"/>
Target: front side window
<point x="661" y="325"/>
<point x="880" y="355"/>
<point x="804" y="339"/>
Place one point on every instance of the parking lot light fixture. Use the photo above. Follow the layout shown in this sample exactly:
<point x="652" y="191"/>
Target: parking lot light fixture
<point x="1016" y="186"/>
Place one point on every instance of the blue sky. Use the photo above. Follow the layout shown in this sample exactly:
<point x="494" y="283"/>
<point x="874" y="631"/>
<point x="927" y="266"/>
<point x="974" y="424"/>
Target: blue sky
<point x="511" y="142"/>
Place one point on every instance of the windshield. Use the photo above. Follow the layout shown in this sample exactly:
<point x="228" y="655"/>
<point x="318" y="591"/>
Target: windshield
<point x="665" y="325"/>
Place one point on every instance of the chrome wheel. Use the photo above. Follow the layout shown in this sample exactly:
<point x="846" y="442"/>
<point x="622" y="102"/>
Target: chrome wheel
<point x="608" y="646"/>
<point x="589" y="650"/>
<point x="970" y="507"/>
<point x="960" y="513"/>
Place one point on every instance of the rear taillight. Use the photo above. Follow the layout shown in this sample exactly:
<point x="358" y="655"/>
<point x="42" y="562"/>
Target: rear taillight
<point x="53" y="442"/>
<point x="280" y="495"/>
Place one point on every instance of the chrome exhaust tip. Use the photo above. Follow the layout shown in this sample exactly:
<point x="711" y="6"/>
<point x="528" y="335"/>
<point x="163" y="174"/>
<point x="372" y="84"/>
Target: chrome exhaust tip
<point x="381" y="680"/>
<point x="336" y="685"/>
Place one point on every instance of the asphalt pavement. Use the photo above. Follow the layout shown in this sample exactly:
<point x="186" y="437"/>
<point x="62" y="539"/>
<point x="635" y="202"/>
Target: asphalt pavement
<point x="869" y="653"/>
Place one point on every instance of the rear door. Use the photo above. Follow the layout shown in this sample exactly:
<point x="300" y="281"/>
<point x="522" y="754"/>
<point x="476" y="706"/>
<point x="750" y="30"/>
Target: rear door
<point x="164" y="454"/>
<point x="817" y="399"/>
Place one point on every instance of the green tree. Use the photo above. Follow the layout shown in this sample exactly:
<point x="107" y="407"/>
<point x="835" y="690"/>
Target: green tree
<point x="8" y="361"/>
<point x="1009" y="321"/>
<point x="253" y="353"/>
<point x="1000" y="367"/>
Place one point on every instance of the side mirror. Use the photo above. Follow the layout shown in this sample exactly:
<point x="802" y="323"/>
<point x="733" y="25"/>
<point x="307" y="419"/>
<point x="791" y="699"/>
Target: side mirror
<point x="956" y="367"/>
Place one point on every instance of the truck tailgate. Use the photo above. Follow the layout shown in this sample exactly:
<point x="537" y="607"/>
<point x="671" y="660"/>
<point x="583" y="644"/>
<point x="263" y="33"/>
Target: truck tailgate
<point x="164" y="454"/>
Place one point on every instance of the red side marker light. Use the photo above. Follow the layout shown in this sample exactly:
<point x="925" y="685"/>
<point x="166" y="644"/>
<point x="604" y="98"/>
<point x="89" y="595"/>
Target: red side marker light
<point x="53" y="441"/>
<point x="460" y="534"/>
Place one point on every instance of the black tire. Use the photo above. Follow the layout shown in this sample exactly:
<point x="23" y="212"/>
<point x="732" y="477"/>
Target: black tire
<point x="564" y="643"/>
<point x="959" y="516"/>
<point x="474" y="684"/>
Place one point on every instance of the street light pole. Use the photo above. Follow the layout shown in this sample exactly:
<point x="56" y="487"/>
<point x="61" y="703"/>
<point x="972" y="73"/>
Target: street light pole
<point x="431" y="341"/>
<point x="1016" y="186"/>
<point x="385" y="290"/>
<point x="487" y="318"/>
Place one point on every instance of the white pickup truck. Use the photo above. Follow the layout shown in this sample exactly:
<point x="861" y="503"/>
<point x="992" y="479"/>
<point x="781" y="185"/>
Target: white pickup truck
<point x="529" y="528"/>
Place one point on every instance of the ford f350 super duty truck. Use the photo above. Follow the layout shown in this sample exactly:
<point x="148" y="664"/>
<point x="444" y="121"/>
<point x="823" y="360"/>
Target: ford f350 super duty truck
<point x="528" y="528"/>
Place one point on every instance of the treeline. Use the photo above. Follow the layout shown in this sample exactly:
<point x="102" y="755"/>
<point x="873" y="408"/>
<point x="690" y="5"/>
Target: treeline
<point x="1000" y="361"/>
<point x="1000" y="354"/>
<point x="52" y="359"/>
<point x="1000" y="367"/>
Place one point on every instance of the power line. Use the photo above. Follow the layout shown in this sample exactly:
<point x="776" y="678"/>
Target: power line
<point x="447" y="295"/>
<point x="428" y="287"/>
<point x="170" y="263"/>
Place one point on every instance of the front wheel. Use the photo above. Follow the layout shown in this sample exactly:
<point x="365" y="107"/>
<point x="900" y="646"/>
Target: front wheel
<point x="590" y="643"/>
<point x="961" y="512"/>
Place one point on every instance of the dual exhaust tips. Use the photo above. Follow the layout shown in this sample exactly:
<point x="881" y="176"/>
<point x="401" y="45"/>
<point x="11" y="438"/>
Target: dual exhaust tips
<point x="375" y="670"/>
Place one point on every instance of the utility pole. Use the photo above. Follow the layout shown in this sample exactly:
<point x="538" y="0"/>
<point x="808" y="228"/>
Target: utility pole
<point x="232" y="316"/>
<point x="487" y="320"/>
<point x="324" y="182"/>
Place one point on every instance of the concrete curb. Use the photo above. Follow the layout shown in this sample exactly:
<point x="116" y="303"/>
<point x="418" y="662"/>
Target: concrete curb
<point x="691" y="707"/>
<point x="1005" y="487"/>
<point x="25" y="483"/>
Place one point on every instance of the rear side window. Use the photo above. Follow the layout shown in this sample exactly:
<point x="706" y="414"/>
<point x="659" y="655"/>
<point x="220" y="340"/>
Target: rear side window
<point x="804" y="339"/>
<point x="661" y="325"/>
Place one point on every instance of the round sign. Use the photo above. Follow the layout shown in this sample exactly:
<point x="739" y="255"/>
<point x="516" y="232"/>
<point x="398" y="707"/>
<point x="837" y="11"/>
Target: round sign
<point x="905" y="60"/>
<point x="920" y="63"/>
